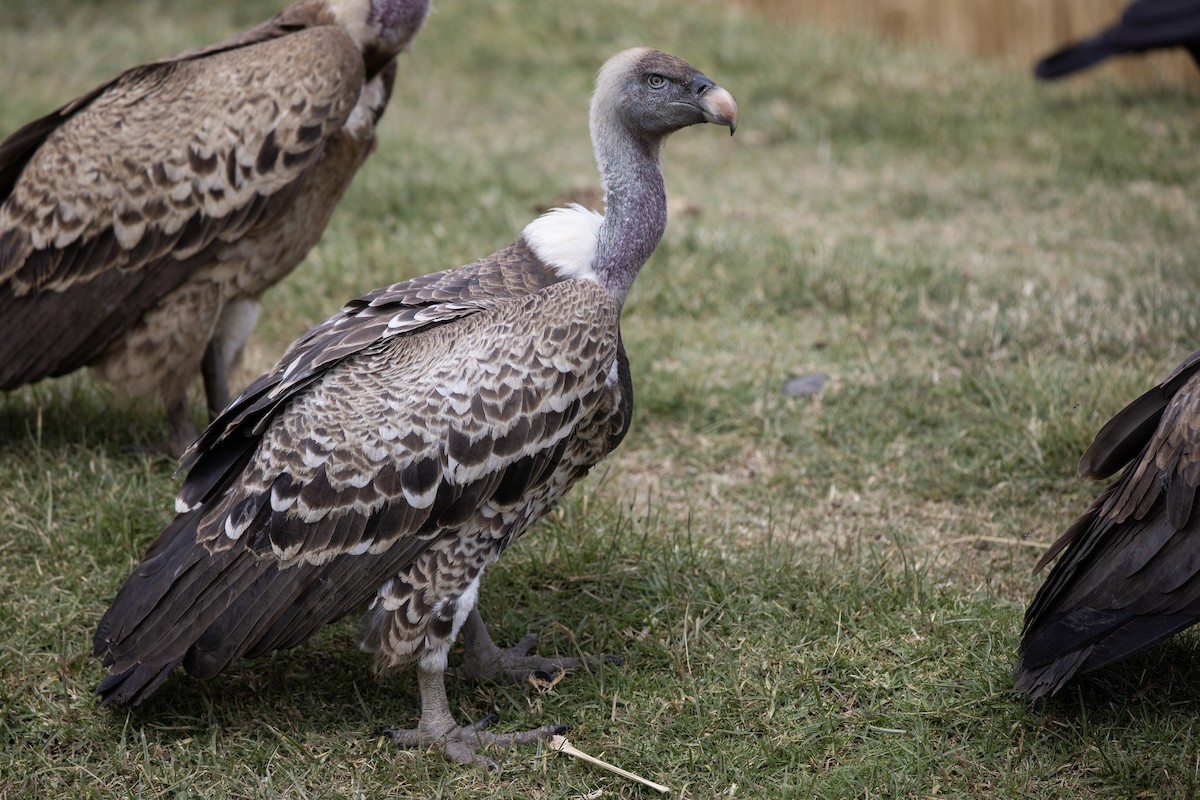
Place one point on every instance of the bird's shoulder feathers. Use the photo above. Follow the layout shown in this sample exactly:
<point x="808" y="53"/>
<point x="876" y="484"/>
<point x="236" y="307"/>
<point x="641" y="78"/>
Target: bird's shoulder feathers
<point x="412" y="434"/>
<point x="170" y="156"/>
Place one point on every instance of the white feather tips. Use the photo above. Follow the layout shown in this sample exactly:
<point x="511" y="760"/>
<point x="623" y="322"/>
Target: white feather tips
<point x="567" y="239"/>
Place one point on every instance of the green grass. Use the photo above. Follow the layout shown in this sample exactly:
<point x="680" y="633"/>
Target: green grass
<point x="814" y="598"/>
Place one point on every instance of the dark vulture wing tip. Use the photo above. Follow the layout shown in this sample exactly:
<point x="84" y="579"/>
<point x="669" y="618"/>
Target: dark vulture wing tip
<point x="132" y="686"/>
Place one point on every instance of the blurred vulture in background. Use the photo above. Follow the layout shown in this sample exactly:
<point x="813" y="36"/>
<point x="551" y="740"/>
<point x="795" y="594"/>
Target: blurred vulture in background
<point x="400" y="446"/>
<point x="1145" y="25"/>
<point x="141" y="222"/>
<point x="1129" y="575"/>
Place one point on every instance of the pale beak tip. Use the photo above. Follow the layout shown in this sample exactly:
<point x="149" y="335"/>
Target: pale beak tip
<point x="720" y="108"/>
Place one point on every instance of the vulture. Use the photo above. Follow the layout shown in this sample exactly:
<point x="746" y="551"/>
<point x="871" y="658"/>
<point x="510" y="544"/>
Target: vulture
<point x="1129" y="574"/>
<point x="1145" y="25"/>
<point x="141" y="222"/>
<point x="399" y="446"/>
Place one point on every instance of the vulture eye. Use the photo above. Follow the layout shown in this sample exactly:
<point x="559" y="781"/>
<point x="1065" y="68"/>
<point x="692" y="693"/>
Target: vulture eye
<point x="656" y="81"/>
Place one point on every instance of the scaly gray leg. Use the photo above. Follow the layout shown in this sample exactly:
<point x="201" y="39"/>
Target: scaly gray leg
<point x="234" y="325"/>
<point x="216" y="381"/>
<point x="437" y="730"/>
<point x="484" y="661"/>
<point x="181" y="431"/>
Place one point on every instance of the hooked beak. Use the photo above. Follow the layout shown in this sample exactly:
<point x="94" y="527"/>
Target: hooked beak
<point x="719" y="108"/>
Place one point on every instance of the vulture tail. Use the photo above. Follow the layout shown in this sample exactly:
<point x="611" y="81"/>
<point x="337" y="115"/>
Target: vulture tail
<point x="165" y="607"/>
<point x="1119" y="590"/>
<point x="185" y="605"/>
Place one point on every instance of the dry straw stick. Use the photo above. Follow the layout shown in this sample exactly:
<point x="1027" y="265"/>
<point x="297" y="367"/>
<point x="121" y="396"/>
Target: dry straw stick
<point x="561" y="744"/>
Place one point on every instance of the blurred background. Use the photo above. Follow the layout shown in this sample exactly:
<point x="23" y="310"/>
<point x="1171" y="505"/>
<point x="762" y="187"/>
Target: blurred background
<point x="817" y="595"/>
<point x="1013" y="32"/>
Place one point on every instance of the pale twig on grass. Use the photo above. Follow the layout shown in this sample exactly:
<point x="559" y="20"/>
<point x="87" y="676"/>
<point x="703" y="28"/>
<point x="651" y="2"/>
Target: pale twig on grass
<point x="561" y="744"/>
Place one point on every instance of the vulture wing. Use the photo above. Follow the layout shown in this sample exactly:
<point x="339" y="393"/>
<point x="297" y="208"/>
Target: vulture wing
<point x="1130" y="573"/>
<point x="110" y="202"/>
<point x="1123" y="436"/>
<point x="395" y="310"/>
<point x="384" y="429"/>
<point x="1145" y="25"/>
<point x="19" y="147"/>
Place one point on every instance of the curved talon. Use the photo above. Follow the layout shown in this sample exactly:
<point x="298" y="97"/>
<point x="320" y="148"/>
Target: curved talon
<point x="592" y="663"/>
<point x="486" y="721"/>
<point x="525" y="646"/>
<point x="461" y="744"/>
<point x="402" y="737"/>
<point x="483" y="660"/>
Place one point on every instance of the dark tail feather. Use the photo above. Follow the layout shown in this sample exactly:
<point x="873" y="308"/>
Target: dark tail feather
<point x="134" y="684"/>
<point x="167" y="603"/>
<point x="1133" y="635"/>
<point x="1120" y="589"/>
<point x="184" y="605"/>
<point x="1045" y="679"/>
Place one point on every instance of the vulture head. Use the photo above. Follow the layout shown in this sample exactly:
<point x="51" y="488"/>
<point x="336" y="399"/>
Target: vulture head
<point x="642" y="96"/>
<point x="652" y="94"/>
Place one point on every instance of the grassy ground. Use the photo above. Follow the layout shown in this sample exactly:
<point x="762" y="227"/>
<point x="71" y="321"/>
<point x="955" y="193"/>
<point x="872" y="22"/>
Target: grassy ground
<point x="816" y="597"/>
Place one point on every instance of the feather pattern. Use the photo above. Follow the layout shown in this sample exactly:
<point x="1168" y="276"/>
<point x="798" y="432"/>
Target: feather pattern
<point x="174" y="190"/>
<point x="473" y="421"/>
<point x="399" y="447"/>
<point x="1129" y="573"/>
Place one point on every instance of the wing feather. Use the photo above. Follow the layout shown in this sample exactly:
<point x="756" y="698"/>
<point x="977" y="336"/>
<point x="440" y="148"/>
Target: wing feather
<point x="394" y="311"/>
<point x="432" y="377"/>
<point x="151" y="171"/>
<point x="1129" y="573"/>
<point x="180" y="143"/>
<point x="362" y="467"/>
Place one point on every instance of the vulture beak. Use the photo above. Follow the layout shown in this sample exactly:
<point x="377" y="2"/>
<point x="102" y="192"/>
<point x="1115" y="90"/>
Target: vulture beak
<point x="719" y="107"/>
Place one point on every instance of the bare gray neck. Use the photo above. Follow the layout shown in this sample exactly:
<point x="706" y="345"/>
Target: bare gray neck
<point x="636" y="213"/>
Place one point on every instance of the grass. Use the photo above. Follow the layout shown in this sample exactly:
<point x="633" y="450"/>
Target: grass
<point x="815" y="598"/>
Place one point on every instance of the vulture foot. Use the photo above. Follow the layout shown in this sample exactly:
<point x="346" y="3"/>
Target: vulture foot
<point x="462" y="743"/>
<point x="437" y="729"/>
<point x="485" y="661"/>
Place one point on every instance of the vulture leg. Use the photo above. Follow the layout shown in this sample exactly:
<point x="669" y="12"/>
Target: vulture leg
<point x="234" y="326"/>
<point x="216" y="382"/>
<point x="181" y="431"/>
<point x="485" y="661"/>
<point x="460" y="744"/>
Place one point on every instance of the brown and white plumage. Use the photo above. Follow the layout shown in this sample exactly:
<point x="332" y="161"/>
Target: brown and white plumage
<point x="400" y="446"/>
<point x="140" y="223"/>
<point x="1129" y="573"/>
